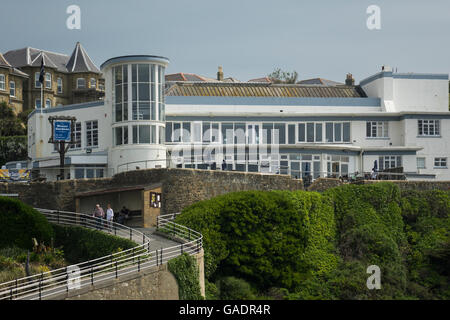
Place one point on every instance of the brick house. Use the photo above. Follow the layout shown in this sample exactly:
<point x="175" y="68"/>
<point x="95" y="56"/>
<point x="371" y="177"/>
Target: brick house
<point x="11" y="84"/>
<point x="68" y="79"/>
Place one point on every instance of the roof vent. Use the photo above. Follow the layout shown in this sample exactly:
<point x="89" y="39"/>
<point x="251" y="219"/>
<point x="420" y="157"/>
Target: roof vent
<point x="220" y="74"/>
<point x="349" y="81"/>
<point x="386" y="68"/>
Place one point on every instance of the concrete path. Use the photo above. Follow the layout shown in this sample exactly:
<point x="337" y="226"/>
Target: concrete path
<point x="158" y="241"/>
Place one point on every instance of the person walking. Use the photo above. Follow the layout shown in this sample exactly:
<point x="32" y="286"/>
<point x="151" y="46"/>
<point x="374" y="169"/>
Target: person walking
<point x="109" y="216"/>
<point x="99" y="214"/>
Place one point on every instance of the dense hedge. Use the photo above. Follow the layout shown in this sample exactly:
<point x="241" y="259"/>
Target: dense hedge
<point x="272" y="238"/>
<point x="185" y="270"/>
<point x="13" y="149"/>
<point x="20" y="223"/>
<point x="82" y="244"/>
<point x="318" y="246"/>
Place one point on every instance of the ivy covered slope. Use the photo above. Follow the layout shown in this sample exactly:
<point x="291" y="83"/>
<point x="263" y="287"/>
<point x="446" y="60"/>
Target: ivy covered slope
<point x="306" y="245"/>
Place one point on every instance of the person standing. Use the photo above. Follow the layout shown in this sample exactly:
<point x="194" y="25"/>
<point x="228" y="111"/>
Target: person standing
<point x="109" y="216"/>
<point x="99" y="214"/>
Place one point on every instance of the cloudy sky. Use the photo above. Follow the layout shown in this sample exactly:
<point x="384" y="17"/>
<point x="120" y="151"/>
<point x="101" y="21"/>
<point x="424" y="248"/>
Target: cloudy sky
<point x="249" y="38"/>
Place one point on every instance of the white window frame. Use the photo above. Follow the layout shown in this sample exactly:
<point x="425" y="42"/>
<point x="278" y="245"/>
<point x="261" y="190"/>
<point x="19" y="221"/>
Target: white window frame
<point x="440" y="162"/>
<point x="94" y="81"/>
<point x="36" y="103"/>
<point x="391" y="159"/>
<point x="77" y="134"/>
<point x="378" y="129"/>
<point x="2" y="82"/>
<point x="78" y="83"/>
<point x="90" y="142"/>
<point x="37" y="84"/>
<point x="48" y="80"/>
<point x="429" y="128"/>
<point x="424" y="166"/>
<point x="12" y="88"/>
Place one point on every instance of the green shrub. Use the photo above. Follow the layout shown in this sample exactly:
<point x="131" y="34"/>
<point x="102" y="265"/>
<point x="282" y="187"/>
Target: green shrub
<point x="13" y="149"/>
<point x="211" y="291"/>
<point x="185" y="270"/>
<point x="20" y="223"/>
<point x="232" y="288"/>
<point x="82" y="244"/>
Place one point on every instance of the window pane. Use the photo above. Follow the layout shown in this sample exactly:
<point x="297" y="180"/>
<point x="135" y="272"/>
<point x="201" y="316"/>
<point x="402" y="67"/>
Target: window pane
<point x="118" y="136"/>
<point x="135" y="134"/>
<point x="144" y="111"/>
<point x="143" y="73"/>
<point x="329" y="132"/>
<point x="144" y="134"/>
<point x="337" y="132"/>
<point x="301" y="132"/>
<point x="310" y="132"/>
<point x="206" y="133"/>
<point x="227" y="133"/>
<point x="291" y="133"/>
<point x="168" y="131"/>
<point x="267" y="133"/>
<point x="318" y="132"/>
<point x="346" y="133"/>
<point x="281" y="127"/>
<point x="186" y="132"/>
<point x="144" y="92"/>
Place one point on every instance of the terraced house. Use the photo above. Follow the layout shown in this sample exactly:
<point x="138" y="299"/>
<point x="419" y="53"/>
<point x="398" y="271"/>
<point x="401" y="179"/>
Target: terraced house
<point x="11" y="85"/>
<point x="315" y="128"/>
<point x="68" y="79"/>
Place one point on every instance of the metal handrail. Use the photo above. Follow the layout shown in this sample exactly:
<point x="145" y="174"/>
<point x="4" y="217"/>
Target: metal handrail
<point x="55" y="282"/>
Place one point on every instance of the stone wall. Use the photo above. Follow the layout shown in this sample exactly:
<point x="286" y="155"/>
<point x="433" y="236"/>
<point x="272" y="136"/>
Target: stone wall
<point x="322" y="184"/>
<point x="180" y="187"/>
<point x="157" y="283"/>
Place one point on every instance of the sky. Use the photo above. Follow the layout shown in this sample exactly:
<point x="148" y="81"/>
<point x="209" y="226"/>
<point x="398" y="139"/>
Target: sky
<point x="249" y="38"/>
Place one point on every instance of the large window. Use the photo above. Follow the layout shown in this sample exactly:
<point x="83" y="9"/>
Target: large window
<point x="2" y="82"/>
<point x="120" y="135"/>
<point x="37" y="84"/>
<point x="93" y="83"/>
<point x="178" y="132"/>
<point x="59" y="85"/>
<point x="377" y="129"/>
<point x="143" y="92"/>
<point x="12" y="88"/>
<point x="120" y="75"/>
<point x="428" y="127"/>
<point x="77" y="136"/>
<point x="388" y="162"/>
<point x="420" y="163"/>
<point x="48" y="80"/>
<point x="310" y="132"/>
<point x="48" y="103"/>
<point x="92" y="133"/>
<point x="38" y="103"/>
<point x="161" y="105"/>
<point x="81" y="83"/>
<point x="337" y="132"/>
<point x="144" y="134"/>
<point x="440" y="162"/>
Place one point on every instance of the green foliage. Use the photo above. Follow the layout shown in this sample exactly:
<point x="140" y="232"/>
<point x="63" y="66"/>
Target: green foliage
<point x="273" y="239"/>
<point x="279" y="76"/>
<point x="232" y="288"/>
<point x="13" y="149"/>
<point x="211" y="291"/>
<point x="81" y="244"/>
<point x="185" y="270"/>
<point x="20" y="223"/>
<point x="10" y="124"/>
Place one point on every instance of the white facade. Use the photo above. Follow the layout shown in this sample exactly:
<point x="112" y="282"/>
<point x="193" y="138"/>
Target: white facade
<point x="403" y="122"/>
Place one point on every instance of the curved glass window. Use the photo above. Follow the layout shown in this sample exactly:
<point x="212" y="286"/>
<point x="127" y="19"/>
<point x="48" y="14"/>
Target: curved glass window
<point x="146" y="134"/>
<point x="120" y="135"/>
<point x="120" y="76"/>
<point x="143" y="92"/>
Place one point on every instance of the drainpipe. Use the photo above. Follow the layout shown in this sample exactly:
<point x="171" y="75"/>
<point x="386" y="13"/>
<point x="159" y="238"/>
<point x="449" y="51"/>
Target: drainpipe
<point x="362" y="162"/>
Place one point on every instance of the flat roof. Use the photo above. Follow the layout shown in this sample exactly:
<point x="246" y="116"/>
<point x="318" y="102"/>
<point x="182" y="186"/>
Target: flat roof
<point x="123" y="59"/>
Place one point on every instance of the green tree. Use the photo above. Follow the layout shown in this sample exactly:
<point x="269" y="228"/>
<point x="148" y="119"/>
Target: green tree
<point x="10" y="124"/>
<point x="280" y="76"/>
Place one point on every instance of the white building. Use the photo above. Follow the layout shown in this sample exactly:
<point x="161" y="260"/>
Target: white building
<point x="388" y="120"/>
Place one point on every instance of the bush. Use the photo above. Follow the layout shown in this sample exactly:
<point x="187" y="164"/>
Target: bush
<point x="185" y="270"/>
<point x="20" y="223"/>
<point x="273" y="239"/>
<point x="81" y="244"/>
<point x="13" y="149"/>
<point x="232" y="288"/>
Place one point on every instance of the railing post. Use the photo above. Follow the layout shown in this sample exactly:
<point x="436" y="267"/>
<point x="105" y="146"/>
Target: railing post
<point x="40" y="287"/>
<point x="116" y="271"/>
<point x="161" y="262"/>
<point x="131" y="234"/>
<point x="92" y="275"/>
<point x="189" y="231"/>
<point x="58" y="215"/>
<point x="115" y="230"/>
<point x="181" y="248"/>
<point x="11" y="294"/>
<point x="156" y="252"/>
<point x="139" y="264"/>
<point x="143" y="238"/>
<point x="67" y="281"/>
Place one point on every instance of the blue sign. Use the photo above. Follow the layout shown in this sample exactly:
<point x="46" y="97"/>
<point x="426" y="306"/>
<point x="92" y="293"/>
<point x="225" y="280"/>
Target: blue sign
<point x="61" y="130"/>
